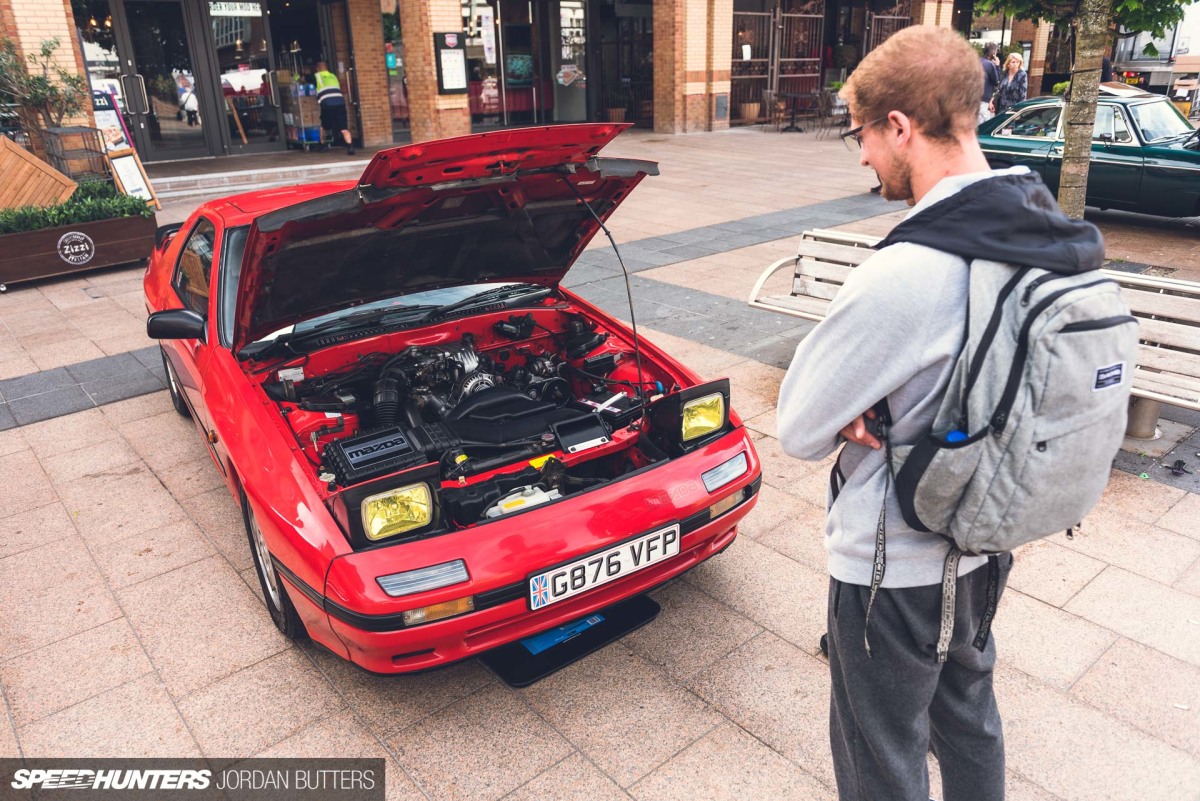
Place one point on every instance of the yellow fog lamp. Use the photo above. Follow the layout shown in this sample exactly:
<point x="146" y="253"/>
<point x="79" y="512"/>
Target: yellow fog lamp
<point x="702" y="416"/>
<point x="396" y="511"/>
<point x="428" y="614"/>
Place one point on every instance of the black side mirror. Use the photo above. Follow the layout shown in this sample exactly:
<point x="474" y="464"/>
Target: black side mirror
<point x="175" y="324"/>
<point x="164" y="234"/>
<point x="1106" y="138"/>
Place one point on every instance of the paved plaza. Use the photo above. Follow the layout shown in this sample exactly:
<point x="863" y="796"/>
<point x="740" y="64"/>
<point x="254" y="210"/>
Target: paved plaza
<point x="134" y="625"/>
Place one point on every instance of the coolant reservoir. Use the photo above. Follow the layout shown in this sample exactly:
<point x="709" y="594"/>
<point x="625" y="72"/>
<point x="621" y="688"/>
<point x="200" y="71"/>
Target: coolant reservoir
<point x="524" y="498"/>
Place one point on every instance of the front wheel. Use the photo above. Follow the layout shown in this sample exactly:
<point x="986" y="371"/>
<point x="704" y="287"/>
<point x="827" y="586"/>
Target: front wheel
<point x="173" y="387"/>
<point x="283" y="612"/>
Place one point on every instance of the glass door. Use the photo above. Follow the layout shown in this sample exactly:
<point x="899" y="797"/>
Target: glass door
<point x="249" y="87"/>
<point x="165" y="103"/>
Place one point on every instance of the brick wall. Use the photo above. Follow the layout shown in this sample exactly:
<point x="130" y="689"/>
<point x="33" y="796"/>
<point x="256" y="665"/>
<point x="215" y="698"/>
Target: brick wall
<point x="692" y="61"/>
<point x="433" y="116"/>
<point x="366" y="32"/>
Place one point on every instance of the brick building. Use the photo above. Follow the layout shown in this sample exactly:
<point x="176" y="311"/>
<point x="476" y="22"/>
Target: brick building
<point x="200" y="78"/>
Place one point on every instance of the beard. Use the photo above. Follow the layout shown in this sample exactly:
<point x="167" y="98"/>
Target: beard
<point x="896" y="177"/>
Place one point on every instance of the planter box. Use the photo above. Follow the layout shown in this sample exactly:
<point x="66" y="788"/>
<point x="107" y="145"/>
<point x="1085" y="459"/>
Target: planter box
<point x="74" y="248"/>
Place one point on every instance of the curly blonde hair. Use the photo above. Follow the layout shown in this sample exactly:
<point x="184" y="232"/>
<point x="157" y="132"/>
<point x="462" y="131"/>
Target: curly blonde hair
<point x="928" y="73"/>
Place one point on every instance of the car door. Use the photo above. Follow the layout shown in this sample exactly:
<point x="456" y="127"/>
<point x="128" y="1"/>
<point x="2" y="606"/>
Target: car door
<point x="1115" y="173"/>
<point x="192" y="280"/>
<point x="1028" y="139"/>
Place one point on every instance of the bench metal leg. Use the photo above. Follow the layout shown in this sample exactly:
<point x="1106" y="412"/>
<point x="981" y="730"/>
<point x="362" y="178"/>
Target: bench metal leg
<point x="1143" y="418"/>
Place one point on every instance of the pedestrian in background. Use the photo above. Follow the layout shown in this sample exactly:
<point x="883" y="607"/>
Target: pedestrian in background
<point x="891" y="342"/>
<point x="991" y="79"/>
<point x="1014" y="85"/>
<point x="333" y="105"/>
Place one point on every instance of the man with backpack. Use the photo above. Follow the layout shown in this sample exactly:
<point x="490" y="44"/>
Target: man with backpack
<point x="977" y="369"/>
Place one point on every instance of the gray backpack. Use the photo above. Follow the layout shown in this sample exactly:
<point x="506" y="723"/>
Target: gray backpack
<point x="1034" y="413"/>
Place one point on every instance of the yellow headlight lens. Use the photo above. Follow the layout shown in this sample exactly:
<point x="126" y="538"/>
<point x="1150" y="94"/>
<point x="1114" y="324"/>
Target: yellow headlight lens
<point x="396" y="511"/>
<point x="703" y="416"/>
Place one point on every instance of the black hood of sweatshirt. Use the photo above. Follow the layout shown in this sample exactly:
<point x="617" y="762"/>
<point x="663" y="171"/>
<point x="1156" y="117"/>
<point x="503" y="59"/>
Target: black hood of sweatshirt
<point x="1008" y="218"/>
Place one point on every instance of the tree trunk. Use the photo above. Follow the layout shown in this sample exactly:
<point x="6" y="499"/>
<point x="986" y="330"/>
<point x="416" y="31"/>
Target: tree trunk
<point x="1091" y="35"/>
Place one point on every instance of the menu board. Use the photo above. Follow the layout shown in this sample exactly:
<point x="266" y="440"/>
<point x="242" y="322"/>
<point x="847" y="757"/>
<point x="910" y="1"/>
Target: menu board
<point x="451" y="63"/>
<point x="130" y="176"/>
<point x="109" y="121"/>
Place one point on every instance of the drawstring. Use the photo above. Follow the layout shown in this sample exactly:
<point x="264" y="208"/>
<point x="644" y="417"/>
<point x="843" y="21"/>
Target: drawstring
<point x="883" y="421"/>
<point x="950" y="597"/>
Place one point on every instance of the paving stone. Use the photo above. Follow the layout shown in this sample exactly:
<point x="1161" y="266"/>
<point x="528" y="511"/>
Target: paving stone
<point x="136" y="719"/>
<point x="34" y="528"/>
<point x="1189" y="582"/>
<point x="1148" y="690"/>
<point x="801" y="537"/>
<point x="780" y="695"/>
<point x="7" y="421"/>
<point x="774" y="508"/>
<point x="1045" y="641"/>
<point x="31" y="491"/>
<point x="95" y="661"/>
<point x="257" y="707"/>
<point x="56" y="403"/>
<point x="1130" y="497"/>
<point x="137" y="408"/>
<point x="104" y="367"/>
<point x="222" y="624"/>
<point x="151" y="553"/>
<point x="690" y="633"/>
<point x="609" y="706"/>
<point x="118" y="503"/>
<point x="1143" y="610"/>
<point x="192" y="478"/>
<point x="779" y="594"/>
<point x="1134" y="546"/>
<point x="122" y="387"/>
<point x="573" y="779"/>
<point x="387" y="704"/>
<point x="35" y="384"/>
<point x="1183" y="518"/>
<point x="728" y="764"/>
<point x="1051" y="573"/>
<point x="150" y="357"/>
<point x="9" y="749"/>
<point x="52" y="438"/>
<point x="165" y="440"/>
<point x="1043" y="730"/>
<point x="482" y="747"/>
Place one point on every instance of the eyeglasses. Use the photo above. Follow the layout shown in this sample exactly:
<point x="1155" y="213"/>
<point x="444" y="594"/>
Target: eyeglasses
<point x="856" y="133"/>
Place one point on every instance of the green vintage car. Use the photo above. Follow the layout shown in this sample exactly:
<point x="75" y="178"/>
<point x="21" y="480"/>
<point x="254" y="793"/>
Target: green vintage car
<point x="1145" y="154"/>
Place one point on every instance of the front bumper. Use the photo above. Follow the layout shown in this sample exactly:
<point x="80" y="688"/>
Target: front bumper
<point x="372" y="631"/>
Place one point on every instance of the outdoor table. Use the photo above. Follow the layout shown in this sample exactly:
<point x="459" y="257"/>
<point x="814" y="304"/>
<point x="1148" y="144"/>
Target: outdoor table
<point x="794" y="99"/>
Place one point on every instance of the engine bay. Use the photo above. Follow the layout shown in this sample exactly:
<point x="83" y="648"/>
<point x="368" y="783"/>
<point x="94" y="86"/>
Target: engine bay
<point x="501" y="412"/>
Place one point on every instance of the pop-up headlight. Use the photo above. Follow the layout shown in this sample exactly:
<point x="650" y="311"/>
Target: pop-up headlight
<point x="396" y="511"/>
<point x="688" y="418"/>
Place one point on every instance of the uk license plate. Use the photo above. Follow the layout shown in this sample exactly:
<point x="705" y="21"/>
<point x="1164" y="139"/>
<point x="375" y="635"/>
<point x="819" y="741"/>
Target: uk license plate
<point x="573" y="578"/>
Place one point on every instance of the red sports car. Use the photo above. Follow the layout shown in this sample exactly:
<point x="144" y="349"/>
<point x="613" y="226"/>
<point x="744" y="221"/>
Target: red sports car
<point x="437" y="449"/>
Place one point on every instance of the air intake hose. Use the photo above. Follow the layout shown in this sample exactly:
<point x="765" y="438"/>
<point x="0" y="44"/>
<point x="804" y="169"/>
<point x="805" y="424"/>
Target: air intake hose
<point x="390" y="390"/>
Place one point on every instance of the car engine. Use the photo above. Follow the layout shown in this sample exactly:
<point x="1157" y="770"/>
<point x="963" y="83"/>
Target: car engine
<point x="468" y="411"/>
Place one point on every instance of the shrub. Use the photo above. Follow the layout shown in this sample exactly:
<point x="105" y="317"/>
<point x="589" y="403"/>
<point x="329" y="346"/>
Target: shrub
<point x="91" y="201"/>
<point x="1060" y="88"/>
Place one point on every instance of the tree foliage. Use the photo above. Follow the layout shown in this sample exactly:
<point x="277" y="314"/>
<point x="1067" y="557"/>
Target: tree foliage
<point x="1134" y="16"/>
<point x="40" y="85"/>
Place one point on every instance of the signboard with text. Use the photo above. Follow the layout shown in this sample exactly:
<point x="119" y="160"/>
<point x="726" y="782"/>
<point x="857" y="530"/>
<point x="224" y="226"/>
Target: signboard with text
<point x="451" y="50"/>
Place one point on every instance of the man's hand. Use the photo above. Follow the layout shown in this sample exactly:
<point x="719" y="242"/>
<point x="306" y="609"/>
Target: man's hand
<point x="857" y="431"/>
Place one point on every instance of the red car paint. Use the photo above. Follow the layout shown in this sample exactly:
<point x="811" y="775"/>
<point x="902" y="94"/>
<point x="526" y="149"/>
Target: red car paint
<point x="332" y="585"/>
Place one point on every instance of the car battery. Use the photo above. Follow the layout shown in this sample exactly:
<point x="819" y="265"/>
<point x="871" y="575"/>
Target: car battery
<point x="615" y="408"/>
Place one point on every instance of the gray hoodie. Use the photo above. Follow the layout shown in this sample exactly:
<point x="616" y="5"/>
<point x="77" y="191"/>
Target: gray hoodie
<point x="894" y="332"/>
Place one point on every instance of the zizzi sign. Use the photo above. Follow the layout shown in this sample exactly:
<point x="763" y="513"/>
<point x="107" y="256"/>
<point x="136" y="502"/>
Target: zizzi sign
<point x="76" y="248"/>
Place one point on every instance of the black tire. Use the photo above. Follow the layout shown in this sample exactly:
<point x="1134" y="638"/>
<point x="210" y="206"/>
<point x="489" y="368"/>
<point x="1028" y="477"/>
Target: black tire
<point x="173" y="387"/>
<point x="274" y="593"/>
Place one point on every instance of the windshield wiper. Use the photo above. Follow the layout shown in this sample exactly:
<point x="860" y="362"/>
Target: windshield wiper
<point x="360" y="319"/>
<point x="524" y="292"/>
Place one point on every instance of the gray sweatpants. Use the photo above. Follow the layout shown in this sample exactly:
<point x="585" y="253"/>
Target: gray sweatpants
<point x="887" y="710"/>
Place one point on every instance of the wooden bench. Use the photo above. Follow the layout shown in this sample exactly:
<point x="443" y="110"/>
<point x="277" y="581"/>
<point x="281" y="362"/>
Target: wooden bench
<point x="1168" y="310"/>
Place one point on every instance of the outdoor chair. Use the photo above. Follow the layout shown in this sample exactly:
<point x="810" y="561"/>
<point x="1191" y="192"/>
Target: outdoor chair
<point x="775" y="108"/>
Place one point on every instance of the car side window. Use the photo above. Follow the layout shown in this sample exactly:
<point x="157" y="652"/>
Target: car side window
<point x="1121" y="132"/>
<point x="193" y="271"/>
<point x="1104" y="122"/>
<point x="1036" y="123"/>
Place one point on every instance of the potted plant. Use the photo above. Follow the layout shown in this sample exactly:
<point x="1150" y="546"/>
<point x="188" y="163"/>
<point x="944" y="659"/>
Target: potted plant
<point x="616" y="104"/>
<point x="44" y="91"/>
<point x="97" y="227"/>
<point x="749" y="111"/>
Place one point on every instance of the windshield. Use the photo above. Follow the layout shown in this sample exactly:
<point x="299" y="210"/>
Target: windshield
<point x="1159" y="120"/>
<point x="430" y="297"/>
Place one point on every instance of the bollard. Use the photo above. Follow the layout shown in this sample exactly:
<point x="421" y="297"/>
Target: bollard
<point x="1143" y="418"/>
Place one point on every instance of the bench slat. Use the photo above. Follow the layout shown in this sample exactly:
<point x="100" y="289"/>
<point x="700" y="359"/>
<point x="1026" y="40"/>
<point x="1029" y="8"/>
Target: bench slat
<point x="1176" y="307"/>
<point x="1172" y="335"/>
<point x="1161" y="383"/>
<point x="1168" y="360"/>
<point x="808" y="308"/>
<point x="811" y="288"/>
<point x="841" y="237"/>
<point x="833" y="273"/>
<point x="840" y="254"/>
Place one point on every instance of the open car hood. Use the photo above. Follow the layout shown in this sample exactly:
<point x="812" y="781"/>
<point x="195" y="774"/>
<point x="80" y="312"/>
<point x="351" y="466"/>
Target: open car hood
<point x="498" y="206"/>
